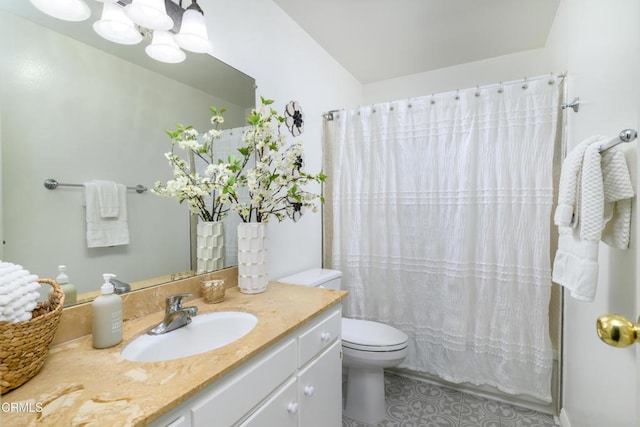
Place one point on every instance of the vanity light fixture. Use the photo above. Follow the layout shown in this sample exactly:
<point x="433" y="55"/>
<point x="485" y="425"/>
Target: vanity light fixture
<point x="115" y="25"/>
<point x="193" y="31"/>
<point x="67" y="10"/>
<point x="129" y="21"/>
<point x="151" y="14"/>
<point x="164" y="48"/>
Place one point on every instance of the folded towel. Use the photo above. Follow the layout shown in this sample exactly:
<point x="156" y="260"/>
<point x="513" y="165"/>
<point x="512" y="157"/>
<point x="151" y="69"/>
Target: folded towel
<point x="103" y="231"/>
<point x="604" y="190"/>
<point x="108" y="198"/>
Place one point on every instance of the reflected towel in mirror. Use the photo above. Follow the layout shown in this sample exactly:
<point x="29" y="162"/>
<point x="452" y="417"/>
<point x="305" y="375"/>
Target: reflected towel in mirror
<point x="108" y="199"/>
<point x="105" y="231"/>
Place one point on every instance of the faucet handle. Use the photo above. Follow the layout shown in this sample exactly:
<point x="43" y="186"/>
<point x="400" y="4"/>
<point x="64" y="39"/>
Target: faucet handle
<point x="174" y="302"/>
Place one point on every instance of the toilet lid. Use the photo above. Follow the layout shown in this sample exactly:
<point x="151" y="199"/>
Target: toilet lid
<point x="372" y="336"/>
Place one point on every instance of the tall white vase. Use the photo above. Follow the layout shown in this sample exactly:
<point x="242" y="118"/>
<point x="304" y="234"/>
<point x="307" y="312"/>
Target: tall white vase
<point x="252" y="257"/>
<point x="209" y="246"/>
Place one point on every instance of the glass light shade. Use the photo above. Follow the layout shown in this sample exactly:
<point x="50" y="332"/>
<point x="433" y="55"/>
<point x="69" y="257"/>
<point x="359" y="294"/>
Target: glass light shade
<point x="67" y="10"/>
<point x="150" y="14"/>
<point x="163" y="48"/>
<point x="193" y="32"/>
<point x="115" y="26"/>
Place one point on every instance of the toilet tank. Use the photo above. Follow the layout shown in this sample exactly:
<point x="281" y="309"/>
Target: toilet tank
<point x="315" y="277"/>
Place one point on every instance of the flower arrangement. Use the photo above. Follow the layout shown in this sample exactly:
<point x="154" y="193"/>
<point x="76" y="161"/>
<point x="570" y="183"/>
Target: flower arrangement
<point x="208" y="194"/>
<point x="274" y="185"/>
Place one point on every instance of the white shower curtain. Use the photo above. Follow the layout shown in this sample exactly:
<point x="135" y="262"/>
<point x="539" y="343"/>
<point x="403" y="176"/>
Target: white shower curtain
<point x="438" y="216"/>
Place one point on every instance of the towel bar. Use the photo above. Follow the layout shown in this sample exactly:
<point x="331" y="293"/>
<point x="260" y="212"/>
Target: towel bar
<point x="626" y="135"/>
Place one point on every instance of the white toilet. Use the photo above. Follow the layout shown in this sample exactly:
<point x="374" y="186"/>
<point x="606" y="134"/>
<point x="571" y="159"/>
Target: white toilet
<point x="367" y="347"/>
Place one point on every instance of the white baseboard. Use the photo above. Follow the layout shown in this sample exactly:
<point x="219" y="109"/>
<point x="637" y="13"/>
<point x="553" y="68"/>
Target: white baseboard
<point x="564" y="419"/>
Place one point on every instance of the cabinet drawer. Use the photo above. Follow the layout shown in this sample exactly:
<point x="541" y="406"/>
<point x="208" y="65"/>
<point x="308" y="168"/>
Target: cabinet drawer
<point x="319" y="337"/>
<point x="241" y="392"/>
<point x="281" y="410"/>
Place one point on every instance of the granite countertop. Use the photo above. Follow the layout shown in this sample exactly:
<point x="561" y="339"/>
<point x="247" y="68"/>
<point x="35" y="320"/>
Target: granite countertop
<point x="79" y="385"/>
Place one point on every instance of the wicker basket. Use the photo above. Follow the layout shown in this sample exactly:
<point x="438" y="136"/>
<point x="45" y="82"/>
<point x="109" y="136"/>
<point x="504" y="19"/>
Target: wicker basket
<point x="25" y="345"/>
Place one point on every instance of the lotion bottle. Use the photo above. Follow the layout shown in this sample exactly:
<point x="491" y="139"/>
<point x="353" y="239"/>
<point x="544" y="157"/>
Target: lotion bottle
<point x="70" y="291"/>
<point x="106" y="319"/>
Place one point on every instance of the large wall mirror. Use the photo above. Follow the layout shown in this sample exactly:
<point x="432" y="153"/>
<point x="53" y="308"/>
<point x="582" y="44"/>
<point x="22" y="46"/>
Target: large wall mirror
<point x="76" y="108"/>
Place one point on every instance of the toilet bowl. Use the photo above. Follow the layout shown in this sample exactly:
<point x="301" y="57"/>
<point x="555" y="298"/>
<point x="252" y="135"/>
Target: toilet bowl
<point x="367" y="348"/>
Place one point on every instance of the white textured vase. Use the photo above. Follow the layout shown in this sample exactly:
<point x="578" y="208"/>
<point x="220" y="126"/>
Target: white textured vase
<point x="209" y="246"/>
<point x="252" y="257"/>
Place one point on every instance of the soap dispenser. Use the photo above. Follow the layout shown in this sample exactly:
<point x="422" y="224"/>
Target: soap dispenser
<point x="70" y="291"/>
<point x="106" y="319"/>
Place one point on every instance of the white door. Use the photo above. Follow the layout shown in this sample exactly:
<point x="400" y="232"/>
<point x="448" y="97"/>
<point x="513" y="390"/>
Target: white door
<point x="637" y="229"/>
<point x="618" y="330"/>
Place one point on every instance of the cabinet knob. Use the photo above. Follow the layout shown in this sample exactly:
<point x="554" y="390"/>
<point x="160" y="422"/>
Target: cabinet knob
<point x="308" y="391"/>
<point x="292" y="408"/>
<point x="325" y="337"/>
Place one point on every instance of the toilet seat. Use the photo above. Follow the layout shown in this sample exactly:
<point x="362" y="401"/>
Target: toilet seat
<point x="364" y="335"/>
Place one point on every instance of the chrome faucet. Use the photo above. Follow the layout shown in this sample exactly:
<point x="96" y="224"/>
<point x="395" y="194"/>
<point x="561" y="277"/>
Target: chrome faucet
<point x="175" y="316"/>
<point x="120" y="287"/>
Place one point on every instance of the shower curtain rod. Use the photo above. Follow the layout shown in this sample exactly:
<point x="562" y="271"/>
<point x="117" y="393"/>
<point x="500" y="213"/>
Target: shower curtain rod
<point x="626" y="135"/>
<point x="329" y="114"/>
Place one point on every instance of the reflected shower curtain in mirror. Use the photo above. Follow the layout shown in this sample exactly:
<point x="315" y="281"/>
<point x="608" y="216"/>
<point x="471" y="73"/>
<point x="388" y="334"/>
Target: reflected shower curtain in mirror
<point x="438" y="215"/>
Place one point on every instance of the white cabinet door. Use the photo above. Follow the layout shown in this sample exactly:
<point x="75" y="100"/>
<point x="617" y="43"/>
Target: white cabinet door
<point x="280" y="410"/>
<point x="320" y="390"/>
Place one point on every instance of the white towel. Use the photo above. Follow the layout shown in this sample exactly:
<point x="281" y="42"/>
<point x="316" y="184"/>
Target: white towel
<point x="18" y="293"/>
<point x="566" y="214"/>
<point x="102" y="232"/>
<point x="603" y="190"/>
<point x="618" y="192"/>
<point x="108" y="198"/>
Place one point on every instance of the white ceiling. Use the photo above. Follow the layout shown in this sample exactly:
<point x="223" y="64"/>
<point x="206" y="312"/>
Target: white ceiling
<point x="383" y="39"/>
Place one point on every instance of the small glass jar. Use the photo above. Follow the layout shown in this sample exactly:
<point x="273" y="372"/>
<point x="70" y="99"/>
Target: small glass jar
<point x="212" y="290"/>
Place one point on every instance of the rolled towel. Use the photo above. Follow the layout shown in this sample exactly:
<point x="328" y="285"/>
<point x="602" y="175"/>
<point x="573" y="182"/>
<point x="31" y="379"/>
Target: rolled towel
<point x="18" y="292"/>
<point x="22" y="317"/>
<point x="24" y="284"/>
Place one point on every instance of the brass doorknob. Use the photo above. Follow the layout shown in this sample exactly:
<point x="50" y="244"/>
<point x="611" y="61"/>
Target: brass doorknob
<point x="617" y="330"/>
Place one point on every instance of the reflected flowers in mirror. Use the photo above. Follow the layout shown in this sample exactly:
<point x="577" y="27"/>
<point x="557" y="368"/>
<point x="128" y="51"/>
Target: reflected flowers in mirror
<point x="207" y="194"/>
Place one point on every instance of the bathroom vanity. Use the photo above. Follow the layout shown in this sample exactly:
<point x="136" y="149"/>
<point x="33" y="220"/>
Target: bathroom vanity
<point x="296" y="382"/>
<point x="285" y="372"/>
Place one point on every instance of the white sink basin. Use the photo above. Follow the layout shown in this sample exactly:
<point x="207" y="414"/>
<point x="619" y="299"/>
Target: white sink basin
<point x="205" y="332"/>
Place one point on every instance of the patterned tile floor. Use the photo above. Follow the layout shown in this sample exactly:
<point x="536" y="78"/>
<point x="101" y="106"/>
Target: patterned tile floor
<point x="412" y="403"/>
